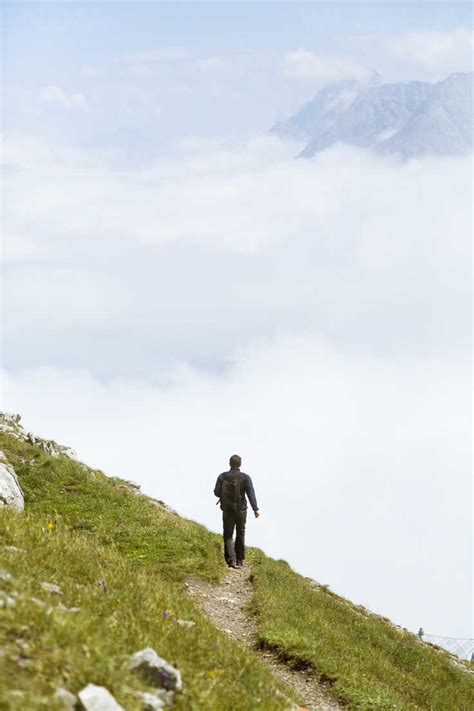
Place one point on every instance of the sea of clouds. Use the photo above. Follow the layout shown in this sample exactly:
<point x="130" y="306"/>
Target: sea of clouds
<point x="311" y="315"/>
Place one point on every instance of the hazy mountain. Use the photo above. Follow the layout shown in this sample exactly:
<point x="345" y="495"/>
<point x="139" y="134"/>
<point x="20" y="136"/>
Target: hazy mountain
<point x="322" y="111"/>
<point x="411" y="119"/>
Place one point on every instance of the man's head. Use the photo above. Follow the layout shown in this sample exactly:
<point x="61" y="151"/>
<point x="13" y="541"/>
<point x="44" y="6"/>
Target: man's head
<point x="235" y="461"/>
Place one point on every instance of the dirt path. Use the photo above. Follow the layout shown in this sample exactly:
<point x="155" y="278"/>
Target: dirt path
<point x="223" y="605"/>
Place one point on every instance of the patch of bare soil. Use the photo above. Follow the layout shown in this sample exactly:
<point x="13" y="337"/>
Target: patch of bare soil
<point x="224" y="605"/>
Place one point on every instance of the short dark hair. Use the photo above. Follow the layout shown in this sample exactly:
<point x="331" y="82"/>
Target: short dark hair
<point x="235" y="461"/>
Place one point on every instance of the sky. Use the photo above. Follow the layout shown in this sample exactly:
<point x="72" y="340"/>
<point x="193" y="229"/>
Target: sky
<point x="178" y="288"/>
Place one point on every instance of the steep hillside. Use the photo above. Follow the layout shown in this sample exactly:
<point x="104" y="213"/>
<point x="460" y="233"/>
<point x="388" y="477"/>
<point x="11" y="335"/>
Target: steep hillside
<point x="120" y="561"/>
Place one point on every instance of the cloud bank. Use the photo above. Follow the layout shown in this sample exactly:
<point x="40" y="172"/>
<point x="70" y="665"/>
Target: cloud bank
<point x="312" y="315"/>
<point x="437" y="53"/>
<point x="221" y="244"/>
<point x="54" y="97"/>
<point x="322" y="69"/>
<point x="361" y="464"/>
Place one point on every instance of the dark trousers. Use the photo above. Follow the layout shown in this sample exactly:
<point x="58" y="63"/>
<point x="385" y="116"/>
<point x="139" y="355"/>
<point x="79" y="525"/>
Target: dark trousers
<point x="234" y="520"/>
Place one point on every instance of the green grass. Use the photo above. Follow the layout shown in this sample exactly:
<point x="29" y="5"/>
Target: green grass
<point x="81" y="526"/>
<point x="105" y="508"/>
<point x="369" y="663"/>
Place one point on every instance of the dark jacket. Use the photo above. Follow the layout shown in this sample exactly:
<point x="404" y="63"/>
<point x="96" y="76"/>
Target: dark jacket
<point x="246" y="488"/>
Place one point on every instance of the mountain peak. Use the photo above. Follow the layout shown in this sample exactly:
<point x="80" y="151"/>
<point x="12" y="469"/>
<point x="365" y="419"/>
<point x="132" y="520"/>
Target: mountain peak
<point x="409" y="118"/>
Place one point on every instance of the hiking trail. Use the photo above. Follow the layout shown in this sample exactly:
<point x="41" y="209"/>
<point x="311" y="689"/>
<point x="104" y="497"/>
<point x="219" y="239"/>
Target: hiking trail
<point x="224" y="606"/>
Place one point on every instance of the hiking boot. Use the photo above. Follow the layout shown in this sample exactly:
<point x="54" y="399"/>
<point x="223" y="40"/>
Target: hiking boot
<point x="240" y="564"/>
<point x="232" y="565"/>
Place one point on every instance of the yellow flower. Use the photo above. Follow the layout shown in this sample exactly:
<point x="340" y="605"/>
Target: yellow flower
<point x="50" y="525"/>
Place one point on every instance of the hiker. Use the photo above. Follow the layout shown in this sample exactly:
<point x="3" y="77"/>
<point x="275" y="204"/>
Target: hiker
<point x="231" y="488"/>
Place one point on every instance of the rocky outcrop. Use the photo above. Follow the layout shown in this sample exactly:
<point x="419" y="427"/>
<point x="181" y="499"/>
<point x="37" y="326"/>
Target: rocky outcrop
<point x="11" y="495"/>
<point x="11" y="425"/>
<point x="161" y="504"/>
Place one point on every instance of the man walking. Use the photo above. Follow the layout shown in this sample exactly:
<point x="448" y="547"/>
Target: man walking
<point x="232" y="487"/>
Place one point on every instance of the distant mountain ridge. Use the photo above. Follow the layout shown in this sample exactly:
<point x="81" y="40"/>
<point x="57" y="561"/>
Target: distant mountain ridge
<point x="410" y="119"/>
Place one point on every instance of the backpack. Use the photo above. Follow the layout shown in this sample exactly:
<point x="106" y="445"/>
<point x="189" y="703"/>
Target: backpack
<point x="230" y="492"/>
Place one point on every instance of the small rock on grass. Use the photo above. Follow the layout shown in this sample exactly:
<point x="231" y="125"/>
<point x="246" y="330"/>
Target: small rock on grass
<point x="97" y="698"/>
<point x="5" y="576"/>
<point x="157" y="670"/>
<point x="36" y="601"/>
<point x="63" y="608"/>
<point x="6" y="600"/>
<point x="185" y="623"/>
<point x="51" y="587"/>
<point x="150" y="702"/>
<point x="67" y="700"/>
<point x="13" y="549"/>
<point x="103" y="585"/>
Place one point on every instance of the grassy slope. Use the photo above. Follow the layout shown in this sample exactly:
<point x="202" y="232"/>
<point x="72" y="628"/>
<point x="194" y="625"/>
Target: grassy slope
<point x="101" y="530"/>
<point x="370" y="663"/>
<point x="80" y="527"/>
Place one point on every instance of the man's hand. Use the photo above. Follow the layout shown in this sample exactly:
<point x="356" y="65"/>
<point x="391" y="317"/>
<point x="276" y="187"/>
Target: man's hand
<point x="257" y="514"/>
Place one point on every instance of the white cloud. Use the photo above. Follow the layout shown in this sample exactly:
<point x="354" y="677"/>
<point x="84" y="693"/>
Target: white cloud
<point x="243" y="196"/>
<point x="61" y="298"/>
<point x="375" y="254"/>
<point x="321" y="69"/>
<point x="54" y="97"/>
<point x="361" y="464"/>
<point x="228" y="244"/>
<point x="159" y="55"/>
<point x="140" y="71"/>
<point x="436" y="52"/>
<point x="211" y="65"/>
<point x="88" y="70"/>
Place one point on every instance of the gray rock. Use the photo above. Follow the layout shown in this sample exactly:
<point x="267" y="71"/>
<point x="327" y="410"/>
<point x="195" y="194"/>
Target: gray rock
<point x="97" y="698"/>
<point x="185" y="623"/>
<point x="151" y="702"/>
<point x="6" y="600"/>
<point x="11" y="495"/>
<point x="103" y="585"/>
<point x="67" y="700"/>
<point x="156" y="670"/>
<point x="63" y="608"/>
<point x="5" y="576"/>
<point x="161" y="505"/>
<point x="13" y="549"/>
<point x="51" y="587"/>
<point x="133" y="485"/>
<point x="36" y="601"/>
<point x="11" y="425"/>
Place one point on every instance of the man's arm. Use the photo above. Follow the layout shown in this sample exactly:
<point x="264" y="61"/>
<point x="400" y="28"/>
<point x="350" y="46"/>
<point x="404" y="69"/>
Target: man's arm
<point x="250" y="491"/>
<point x="218" y="486"/>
